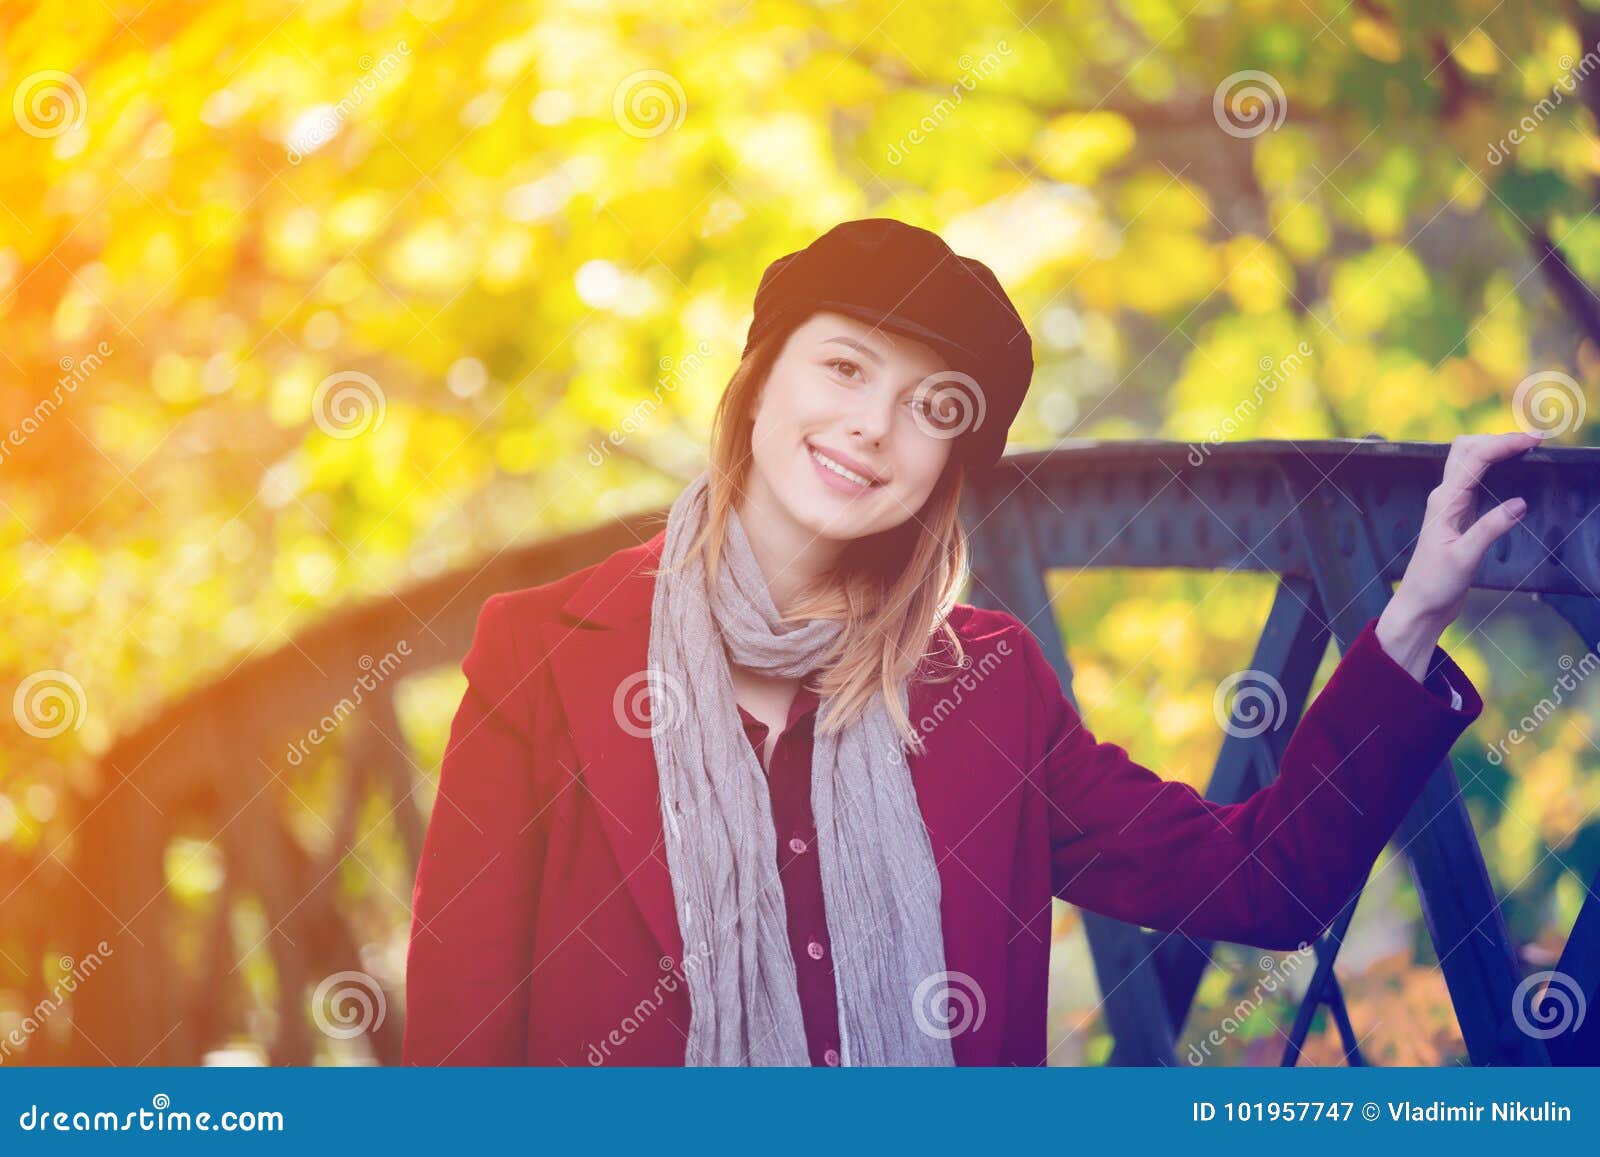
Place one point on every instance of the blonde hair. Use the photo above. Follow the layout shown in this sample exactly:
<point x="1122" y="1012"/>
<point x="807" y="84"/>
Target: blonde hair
<point x="894" y="590"/>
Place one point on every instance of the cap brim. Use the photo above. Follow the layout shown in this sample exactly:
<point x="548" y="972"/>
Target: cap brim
<point x="953" y="349"/>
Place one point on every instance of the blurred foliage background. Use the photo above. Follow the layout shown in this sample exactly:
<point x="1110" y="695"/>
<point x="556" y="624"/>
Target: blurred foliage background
<point x="307" y="304"/>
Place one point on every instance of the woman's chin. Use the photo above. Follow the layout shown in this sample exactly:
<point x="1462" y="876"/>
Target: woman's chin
<point x="817" y="519"/>
<point x="845" y="528"/>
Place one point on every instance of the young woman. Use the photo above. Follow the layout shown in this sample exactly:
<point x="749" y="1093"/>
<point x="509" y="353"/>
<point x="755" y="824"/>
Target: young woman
<point x="715" y="800"/>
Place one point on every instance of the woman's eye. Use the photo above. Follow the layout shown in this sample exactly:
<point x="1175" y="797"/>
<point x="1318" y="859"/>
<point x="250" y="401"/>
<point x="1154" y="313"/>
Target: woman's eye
<point x="835" y="363"/>
<point x="921" y="406"/>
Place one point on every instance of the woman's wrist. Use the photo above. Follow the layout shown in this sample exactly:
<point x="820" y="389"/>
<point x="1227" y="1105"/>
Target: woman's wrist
<point x="1407" y="637"/>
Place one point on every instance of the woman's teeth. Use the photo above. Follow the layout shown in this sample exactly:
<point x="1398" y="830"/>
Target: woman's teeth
<point x="830" y="464"/>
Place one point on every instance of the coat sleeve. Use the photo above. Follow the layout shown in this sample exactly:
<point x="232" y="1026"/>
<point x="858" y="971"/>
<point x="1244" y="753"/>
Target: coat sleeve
<point x="1275" y="869"/>
<point x="473" y="908"/>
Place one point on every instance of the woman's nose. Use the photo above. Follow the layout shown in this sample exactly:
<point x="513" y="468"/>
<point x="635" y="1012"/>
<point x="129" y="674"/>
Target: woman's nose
<point x="871" y="418"/>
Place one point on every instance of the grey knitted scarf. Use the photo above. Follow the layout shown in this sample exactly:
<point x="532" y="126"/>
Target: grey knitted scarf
<point x="879" y="881"/>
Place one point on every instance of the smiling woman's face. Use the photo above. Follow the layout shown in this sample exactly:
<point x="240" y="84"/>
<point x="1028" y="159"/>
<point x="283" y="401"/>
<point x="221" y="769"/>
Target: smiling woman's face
<point x="842" y="399"/>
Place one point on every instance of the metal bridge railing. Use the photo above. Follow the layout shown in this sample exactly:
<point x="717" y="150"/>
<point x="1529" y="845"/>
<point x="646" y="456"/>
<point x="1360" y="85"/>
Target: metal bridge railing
<point x="1335" y="520"/>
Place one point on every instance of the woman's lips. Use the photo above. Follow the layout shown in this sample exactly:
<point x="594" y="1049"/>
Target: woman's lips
<point x="835" y="480"/>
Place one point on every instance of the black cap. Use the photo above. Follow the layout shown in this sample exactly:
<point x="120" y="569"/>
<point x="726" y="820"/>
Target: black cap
<point x="906" y="279"/>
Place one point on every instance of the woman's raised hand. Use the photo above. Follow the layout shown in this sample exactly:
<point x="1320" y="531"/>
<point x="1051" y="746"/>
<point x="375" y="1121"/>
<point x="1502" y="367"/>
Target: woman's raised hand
<point x="1448" y="551"/>
<point x="1434" y="588"/>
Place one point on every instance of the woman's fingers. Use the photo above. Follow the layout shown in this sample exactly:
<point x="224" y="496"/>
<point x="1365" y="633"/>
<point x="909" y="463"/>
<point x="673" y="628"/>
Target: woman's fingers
<point x="1470" y="456"/>
<point x="1481" y="534"/>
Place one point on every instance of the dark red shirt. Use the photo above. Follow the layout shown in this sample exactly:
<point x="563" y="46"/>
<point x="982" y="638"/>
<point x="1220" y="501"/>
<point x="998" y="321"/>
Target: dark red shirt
<point x="789" y="784"/>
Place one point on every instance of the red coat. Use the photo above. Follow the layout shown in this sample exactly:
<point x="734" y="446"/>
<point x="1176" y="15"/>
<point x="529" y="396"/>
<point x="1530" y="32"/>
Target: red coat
<point x="543" y="926"/>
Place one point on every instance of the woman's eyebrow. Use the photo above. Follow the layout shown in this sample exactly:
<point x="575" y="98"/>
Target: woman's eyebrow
<point x="854" y="344"/>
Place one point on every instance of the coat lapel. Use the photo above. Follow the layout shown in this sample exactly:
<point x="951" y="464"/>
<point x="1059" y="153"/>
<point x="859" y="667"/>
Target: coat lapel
<point x="598" y="651"/>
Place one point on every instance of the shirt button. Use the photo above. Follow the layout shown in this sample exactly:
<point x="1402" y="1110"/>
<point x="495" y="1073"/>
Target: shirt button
<point x="797" y="844"/>
<point x="814" y="950"/>
<point x="831" y="1056"/>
